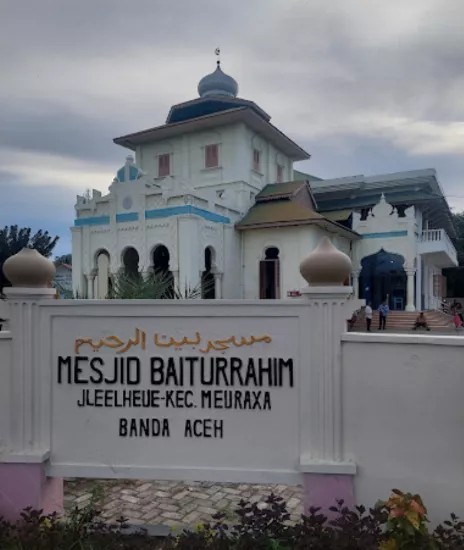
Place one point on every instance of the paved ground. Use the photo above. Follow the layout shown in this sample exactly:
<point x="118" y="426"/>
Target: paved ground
<point x="172" y="503"/>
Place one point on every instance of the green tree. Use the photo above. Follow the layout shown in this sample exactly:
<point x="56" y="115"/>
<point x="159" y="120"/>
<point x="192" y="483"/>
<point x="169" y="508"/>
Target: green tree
<point x="455" y="276"/>
<point x="13" y="239"/>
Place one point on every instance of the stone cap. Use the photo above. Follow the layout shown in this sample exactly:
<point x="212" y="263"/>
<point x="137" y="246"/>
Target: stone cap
<point x="29" y="269"/>
<point x="326" y="265"/>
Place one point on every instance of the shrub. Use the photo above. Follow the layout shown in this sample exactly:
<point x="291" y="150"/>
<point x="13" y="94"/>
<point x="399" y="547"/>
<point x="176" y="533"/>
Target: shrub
<point x="397" y="524"/>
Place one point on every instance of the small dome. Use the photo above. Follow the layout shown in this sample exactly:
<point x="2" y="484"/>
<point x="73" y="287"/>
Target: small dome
<point x="326" y="265"/>
<point x="129" y="172"/>
<point x="217" y="83"/>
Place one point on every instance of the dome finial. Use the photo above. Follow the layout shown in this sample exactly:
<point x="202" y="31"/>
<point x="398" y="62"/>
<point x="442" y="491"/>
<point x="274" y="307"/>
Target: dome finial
<point x="217" y="51"/>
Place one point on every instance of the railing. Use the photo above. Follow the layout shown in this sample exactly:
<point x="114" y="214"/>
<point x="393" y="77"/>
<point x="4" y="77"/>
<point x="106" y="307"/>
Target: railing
<point x="440" y="236"/>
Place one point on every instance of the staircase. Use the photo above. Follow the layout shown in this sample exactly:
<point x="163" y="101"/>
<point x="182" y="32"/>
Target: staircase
<point x="404" y="321"/>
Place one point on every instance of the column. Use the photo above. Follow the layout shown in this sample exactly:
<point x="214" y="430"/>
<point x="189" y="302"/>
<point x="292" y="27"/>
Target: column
<point x="327" y="475"/>
<point x="90" y="286"/>
<point x="419" y="304"/>
<point x="355" y="277"/>
<point x="25" y="444"/>
<point x="410" y="306"/>
<point x="218" y="286"/>
<point x="189" y="253"/>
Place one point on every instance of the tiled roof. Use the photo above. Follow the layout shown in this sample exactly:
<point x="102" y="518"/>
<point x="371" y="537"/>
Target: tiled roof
<point x="337" y="215"/>
<point x="274" y="190"/>
<point x="275" y="212"/>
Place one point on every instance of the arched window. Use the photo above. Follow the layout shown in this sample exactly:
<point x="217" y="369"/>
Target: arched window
<point x="161" y="266"/>
<point x="269" y="275"/>
<point x="130" y="261"/>
<point x="208" y="290"/>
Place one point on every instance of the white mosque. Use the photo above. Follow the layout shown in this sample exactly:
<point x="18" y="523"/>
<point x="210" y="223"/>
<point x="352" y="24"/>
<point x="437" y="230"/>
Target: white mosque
<point x="212" y="194"/>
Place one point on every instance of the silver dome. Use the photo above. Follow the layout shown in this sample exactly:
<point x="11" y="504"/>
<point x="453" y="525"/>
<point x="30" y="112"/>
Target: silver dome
<point x="217" y="83"/>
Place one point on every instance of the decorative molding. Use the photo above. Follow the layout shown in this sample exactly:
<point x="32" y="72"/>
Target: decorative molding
<point x="384" y="235"/>
<point x="185" y="209"/>
<point x="131" y="228"/>
<point x="97" y="220"/>
<point x="127" y="217"/>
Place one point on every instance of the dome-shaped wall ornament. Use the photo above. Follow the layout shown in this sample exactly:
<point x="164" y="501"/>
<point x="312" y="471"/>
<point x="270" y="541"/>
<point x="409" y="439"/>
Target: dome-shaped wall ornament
<point x="326" y="265"/>
<point x="217" y="83"/>
<point x="29" y="269"/>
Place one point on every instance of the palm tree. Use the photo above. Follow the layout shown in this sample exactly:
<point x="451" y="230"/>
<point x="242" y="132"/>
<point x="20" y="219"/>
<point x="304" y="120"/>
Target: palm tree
<point x="157" y="286"/>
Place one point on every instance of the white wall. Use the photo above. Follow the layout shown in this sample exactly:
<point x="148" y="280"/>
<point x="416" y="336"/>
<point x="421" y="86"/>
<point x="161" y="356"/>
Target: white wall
<point x="188" y="157"/>
<point x="236" y="145"/>
<point x="403" y="417"/>
<point x="383" y="230"/>
<point x="294" y="244"/>
<point x="428" y="272"/>
<point x="270" y="157"/>
<point x="386" y="407"/>
<point x="6" y="340"/>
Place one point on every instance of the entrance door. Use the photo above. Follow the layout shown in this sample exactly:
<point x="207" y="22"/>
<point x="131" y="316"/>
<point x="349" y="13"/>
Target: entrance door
<point x="383" y="278"/>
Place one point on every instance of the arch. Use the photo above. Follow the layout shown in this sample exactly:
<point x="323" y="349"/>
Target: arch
<point x="161" y="258"/>
<point x="208" y="287"/>
<point x="269" y="274"/>
<point x="103" y="276"/>
<point x="383" y="277"/>
<point x="130" y="261"/>
<point x="97" y="254"/>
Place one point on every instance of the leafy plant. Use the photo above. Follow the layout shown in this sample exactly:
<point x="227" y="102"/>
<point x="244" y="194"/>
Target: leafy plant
<point x="156" y="286"/>
<point x="400" y="523"/>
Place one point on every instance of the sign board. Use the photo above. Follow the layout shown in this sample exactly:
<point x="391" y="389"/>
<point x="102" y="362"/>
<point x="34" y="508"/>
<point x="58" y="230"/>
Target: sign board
<point x="209" y="396"/>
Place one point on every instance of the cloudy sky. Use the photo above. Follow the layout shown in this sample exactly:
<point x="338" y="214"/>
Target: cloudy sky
<point x="366" y="86"/>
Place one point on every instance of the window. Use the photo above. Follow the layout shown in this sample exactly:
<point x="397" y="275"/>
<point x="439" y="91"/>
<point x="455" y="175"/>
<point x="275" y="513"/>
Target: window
<point x="212" y="156"/>
<point x="280" y="173"/>
<point x="256" y="160"/>
<point x="164" y="165"/>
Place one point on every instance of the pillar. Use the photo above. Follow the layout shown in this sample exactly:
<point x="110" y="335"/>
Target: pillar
<point x="327" y="475"/>
<point x="175" y="274"/>
<point x="410" y="306"/>
<point x="419" y="305"/>
<point x="189" y="253"/>
<point x="90" y="286"/>
<point x="218" y="285"/>
<point x="355" y="277"/>
<point x="25" y="446"/>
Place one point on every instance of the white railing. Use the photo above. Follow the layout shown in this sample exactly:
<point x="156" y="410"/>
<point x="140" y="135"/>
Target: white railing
<point x="440" y="236"/>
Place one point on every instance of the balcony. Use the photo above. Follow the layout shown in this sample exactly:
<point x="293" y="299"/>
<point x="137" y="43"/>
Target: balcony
<point x="437" y="243"/>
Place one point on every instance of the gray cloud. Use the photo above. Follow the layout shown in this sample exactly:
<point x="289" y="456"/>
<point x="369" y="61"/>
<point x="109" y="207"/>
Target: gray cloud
<point x="365" y="85"/>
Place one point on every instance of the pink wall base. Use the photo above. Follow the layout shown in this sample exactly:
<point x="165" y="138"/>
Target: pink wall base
<point x="323" y="491"/>
<point x="23" y="485"/>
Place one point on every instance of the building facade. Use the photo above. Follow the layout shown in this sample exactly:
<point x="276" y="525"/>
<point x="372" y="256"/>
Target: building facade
<point x="213" y="196"/>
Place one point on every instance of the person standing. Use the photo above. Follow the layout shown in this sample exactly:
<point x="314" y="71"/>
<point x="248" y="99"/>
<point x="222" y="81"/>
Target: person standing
<point x="368" y="313"/>
<point x="383" y="313"/>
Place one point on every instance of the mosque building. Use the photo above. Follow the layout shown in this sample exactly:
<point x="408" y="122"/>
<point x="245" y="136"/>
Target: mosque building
<point x="212" y="195"/>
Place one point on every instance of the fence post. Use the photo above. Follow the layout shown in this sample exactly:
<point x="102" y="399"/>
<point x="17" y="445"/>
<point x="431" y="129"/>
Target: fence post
<point x="327" y="475"/>
<point x="25" y="451"/>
